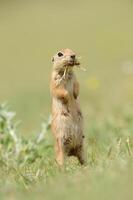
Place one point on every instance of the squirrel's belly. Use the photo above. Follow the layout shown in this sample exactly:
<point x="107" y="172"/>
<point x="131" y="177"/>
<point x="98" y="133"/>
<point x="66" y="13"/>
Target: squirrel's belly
<point x="67" y="122"/>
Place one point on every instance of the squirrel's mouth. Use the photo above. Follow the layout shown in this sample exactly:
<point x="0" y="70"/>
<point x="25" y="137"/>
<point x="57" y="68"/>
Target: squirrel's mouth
<point x="73" y="63"/>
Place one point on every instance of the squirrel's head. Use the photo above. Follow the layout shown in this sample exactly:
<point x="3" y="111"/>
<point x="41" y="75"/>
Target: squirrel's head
<point x="64" y="58"/>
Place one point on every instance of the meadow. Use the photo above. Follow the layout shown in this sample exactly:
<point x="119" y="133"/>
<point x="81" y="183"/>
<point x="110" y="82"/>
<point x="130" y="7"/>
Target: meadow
<point x="101" y="33"/>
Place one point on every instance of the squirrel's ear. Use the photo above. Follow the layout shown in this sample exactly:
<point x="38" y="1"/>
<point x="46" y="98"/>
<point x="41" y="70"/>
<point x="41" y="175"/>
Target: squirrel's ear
<point x="52" y="59"/>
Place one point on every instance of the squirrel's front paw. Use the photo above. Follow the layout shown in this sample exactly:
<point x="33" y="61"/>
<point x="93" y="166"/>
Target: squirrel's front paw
<point x="65" y="97"/>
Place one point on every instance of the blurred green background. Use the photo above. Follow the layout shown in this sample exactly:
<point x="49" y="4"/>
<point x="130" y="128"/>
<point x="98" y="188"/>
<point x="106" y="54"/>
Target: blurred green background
<point x="101" y="32"/>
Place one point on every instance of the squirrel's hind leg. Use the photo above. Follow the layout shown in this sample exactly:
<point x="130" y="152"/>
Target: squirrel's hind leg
<point x="59" y="152"/>
<point x="81" y="155"/>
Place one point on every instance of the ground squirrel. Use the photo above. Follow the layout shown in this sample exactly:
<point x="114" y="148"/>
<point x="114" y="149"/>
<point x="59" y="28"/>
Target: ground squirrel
<point x="67" y="119"/>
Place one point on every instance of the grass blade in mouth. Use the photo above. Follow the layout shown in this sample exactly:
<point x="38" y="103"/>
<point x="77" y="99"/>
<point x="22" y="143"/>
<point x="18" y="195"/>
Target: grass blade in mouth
<point x="65" y="71"/>
<point x="82" y="68"/>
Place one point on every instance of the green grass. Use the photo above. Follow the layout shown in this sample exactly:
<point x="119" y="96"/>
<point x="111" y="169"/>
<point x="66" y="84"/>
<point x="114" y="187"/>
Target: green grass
<point x="29" y="171"/>
<point x="101" y="33"/>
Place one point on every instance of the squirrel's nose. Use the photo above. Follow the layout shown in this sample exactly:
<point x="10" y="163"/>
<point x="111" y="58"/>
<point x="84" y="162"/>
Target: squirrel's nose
<point x="72" y="56"/>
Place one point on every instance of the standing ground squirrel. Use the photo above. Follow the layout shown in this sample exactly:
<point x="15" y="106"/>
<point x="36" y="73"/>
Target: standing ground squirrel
<point x="67" y="119"/>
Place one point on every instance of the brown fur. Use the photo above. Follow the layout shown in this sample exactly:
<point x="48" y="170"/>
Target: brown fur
<point x="67" y="119"/>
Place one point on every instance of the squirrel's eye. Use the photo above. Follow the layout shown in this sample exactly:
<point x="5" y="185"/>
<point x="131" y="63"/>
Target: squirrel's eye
<point x="60" y="54"/>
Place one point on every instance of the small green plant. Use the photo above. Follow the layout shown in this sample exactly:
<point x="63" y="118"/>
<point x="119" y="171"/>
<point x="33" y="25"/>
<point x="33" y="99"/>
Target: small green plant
<point x="15" y="146"/>
<point x="8" y="133"/>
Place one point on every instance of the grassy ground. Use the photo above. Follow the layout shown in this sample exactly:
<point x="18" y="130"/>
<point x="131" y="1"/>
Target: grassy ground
<point x="29" y="171"/>
<point x="30" y="33"/>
